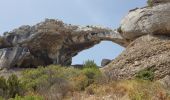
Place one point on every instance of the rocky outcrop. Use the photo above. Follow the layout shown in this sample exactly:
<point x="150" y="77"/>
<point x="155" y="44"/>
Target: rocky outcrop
<point x="147" y="20"/>
<point x="149" y="30"/>
<point x="147" y="52"/>
<point x="51" y="42"/>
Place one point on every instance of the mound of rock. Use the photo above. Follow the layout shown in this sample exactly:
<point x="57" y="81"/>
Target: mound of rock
<point x="148" y="20"/>
<point x="147" y="52"/>
<point x="149" y="30"/>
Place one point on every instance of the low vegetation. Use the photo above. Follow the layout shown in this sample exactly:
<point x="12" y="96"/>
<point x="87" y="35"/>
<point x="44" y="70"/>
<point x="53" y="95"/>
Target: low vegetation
<point x="150" y="2"/>
<point x="88" y="83"/>
<point x="146" y="74"/>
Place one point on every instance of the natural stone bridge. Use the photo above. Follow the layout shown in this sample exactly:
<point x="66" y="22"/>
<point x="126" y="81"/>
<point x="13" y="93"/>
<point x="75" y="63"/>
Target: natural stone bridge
<point x="51" y="42"/>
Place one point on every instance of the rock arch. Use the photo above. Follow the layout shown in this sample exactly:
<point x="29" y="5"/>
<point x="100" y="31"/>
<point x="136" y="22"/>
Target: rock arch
<point x="51" y="42"/>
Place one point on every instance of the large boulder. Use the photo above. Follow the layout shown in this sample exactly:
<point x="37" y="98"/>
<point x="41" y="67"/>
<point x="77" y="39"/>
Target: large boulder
<point x="147" y="20"/>
<point x="149" y="52"/>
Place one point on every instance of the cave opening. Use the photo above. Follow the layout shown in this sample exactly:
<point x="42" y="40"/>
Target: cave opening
<point x="103" y="50"/>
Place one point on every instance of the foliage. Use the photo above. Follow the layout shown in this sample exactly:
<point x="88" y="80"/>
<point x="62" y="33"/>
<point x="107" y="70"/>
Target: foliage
<point x="145" y="74"/>
<point x="3" y="87"/>
<point x="11" y="87"/>
<point x="56" y="83"/>
<point x="60" y="80"/>
<point x="14" y="86"/>
<point x="92" y="74"/>
<point x="27" y="98"/>
<point x="90" y="64"/>
<point x="150" y="2"/>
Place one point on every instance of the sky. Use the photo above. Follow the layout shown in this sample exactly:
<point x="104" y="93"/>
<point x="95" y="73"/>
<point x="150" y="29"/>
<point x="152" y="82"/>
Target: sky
<point x="106" y="13"/>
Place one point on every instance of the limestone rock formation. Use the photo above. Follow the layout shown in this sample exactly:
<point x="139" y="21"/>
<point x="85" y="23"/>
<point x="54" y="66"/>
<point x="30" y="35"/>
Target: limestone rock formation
<point x="50" y="42"/>
<point x="147" y="52"/>
<point x="149" y="30"/>
<point x="147" y="20"/>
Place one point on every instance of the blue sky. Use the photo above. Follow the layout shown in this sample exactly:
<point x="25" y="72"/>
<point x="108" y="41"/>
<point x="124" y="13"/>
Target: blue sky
<point x="108" y="13"/>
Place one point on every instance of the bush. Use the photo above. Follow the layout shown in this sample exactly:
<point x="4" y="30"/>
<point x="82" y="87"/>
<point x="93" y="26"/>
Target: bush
<point x="90" y="64"/>
<point x="80" y="82"/>
<point x="145" y="75"/>
<point x="52" y="80"/>
<point x="3" y="87"/>
<point x="92" y="74"/>
<point x="10" y="87"/>
<point x="27" y="98"/>
<point x="15" y="87"/>
<point x="150" y="2"/>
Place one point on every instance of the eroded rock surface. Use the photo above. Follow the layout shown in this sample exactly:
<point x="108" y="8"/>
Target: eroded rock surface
<point x="147" y="52"/>
<point x="51" y="42"/>
<point x="148" y="20"/>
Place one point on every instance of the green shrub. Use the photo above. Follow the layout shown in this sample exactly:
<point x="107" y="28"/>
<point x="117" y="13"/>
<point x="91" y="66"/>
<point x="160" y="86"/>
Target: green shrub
<point x="3" y="87"/>
<point x="150" y="2"/>
<point x="145" y="74"/>
<point x="27" y="98"/>
<point x="14" y="86"/>
<point x="56" y="81"/>
<point x="92" y="74"/>
<point x="52" y="80"/>
<point x="90" y="64"/>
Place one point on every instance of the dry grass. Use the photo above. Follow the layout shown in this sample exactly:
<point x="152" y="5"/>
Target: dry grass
<point x="124" y="90"/>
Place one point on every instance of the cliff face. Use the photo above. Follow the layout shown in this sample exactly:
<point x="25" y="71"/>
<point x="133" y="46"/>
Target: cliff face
<point x="149" y="30"/>
<point x="51" y="42"/>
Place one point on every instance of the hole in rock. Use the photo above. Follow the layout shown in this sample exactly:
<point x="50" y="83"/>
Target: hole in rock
<point x="103" y="50"/>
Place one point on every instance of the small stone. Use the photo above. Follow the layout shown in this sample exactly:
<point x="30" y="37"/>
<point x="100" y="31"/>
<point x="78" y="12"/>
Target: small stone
<point x="105" y="62"/>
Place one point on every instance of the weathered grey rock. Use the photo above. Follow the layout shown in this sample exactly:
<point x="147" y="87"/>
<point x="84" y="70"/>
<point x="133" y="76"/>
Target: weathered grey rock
<point x="147" y="52"/>
<point x="105" y="62"/>
<point x="51" y="42"/>
<point x="165" y="82"/>
<point x="148" y="20"/>
<point x="12" y="56"/>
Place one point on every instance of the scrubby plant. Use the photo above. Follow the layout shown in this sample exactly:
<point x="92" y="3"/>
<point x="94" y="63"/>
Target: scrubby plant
<point x="80" y="82"/>
<point x="145" y="74"/>
<point x="10" y="87"/>
<point x="61" y="80"/>
<point x="90" y="64"/>
<point x="92" y="74"/>
<point x="3" y="87"/>
<point x="27" y="98"/>
<point x="150" y="2"/>
<point x="14" y="86"/>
